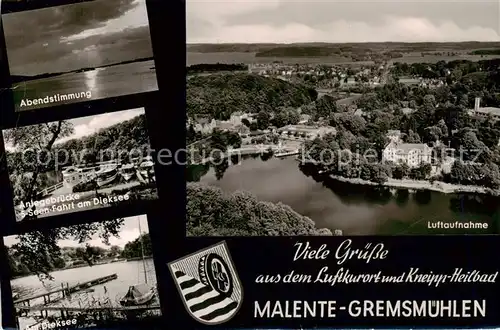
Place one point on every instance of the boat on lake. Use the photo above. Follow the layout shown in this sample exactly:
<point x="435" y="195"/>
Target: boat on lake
<point x="72" y="176"/>
<point x="107" y="175"/>
<point x="127" y="171"/>
<point x="141" y="293"/>
<point x="138" y="294"/>
<point x="146" y="168"/>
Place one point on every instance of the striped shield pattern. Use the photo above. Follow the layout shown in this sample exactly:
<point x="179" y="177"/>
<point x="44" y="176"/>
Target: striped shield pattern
<point x="208" y="284"/>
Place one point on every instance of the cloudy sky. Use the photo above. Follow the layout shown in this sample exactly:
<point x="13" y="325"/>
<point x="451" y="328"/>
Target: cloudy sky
<point x="128" y="232"/>
<point x="85" y="126"/>
<point x="287" y="21"/>
<point x="70" y="37"/>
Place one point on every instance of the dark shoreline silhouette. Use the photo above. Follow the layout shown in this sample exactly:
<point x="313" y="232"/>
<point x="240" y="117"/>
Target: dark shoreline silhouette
<point x="217" y="67"/>
<point x="18" y="78"/>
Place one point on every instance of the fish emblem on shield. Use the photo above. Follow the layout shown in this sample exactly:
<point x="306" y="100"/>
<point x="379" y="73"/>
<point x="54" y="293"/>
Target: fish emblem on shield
<point x="208" y="284"/>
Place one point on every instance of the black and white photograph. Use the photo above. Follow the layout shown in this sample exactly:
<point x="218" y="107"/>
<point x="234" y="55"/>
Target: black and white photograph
<point x="80" y="164"/>
<point x="83" y="275"/>
<point x="323" y="118"/>
<point x="78" y="52"/>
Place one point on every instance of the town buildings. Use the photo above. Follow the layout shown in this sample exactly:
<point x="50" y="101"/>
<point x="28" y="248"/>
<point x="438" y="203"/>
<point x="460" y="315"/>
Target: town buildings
<point x="206" y="125"/>
<point x="484" y="112"/>
<point x="203" y="125"/>
<point x="412" y="154"/>
<point x="306" y="131"/>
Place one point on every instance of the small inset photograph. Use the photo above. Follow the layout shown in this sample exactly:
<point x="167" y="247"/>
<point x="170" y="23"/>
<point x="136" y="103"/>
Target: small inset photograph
<point x="85" y="275"/>
<point x="79" y="52"/>
<point x="80" y="164"/>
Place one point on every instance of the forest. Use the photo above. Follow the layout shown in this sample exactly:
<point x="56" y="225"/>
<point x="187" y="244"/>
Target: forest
<point x="217" y="67"/>
<point x="369" y="46"/>
<point x="211" y="212"/>
<point x="219" y="96"/>
<point x="356" y="53"/>
<point x="486" y="52"/>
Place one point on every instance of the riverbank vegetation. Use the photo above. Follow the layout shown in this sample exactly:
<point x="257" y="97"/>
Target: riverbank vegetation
<point x="219" y="96"/>
<point x="211" y="212"/>
<point x="203" y="146"/>
<point x="38" y="253"/>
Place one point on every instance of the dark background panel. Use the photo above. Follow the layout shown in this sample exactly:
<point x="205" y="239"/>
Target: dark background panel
<point x="440" y="254"/>
<point x="168" y="133"/>
<point x="165" y="114"/>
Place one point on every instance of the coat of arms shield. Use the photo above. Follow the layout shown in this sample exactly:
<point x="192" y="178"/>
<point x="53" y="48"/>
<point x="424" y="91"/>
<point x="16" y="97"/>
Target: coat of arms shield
<point x="208" y="284"/>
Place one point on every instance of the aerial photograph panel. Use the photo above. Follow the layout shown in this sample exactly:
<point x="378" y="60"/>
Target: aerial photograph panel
<point x="325" y="118"/>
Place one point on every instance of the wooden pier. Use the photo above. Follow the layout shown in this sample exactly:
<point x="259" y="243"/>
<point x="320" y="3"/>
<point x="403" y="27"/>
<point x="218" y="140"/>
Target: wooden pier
<point x="65" y="312"/>
<point x="286" y="154"/>
<point x="63" y="292"/>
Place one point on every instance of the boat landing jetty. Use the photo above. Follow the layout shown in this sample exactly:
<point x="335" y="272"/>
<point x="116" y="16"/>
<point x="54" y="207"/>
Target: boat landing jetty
<point x="60" y="294"/>
<point x="65" y="312"/>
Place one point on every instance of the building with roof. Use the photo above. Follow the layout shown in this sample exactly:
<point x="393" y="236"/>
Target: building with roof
<point x="306" y="131"/>
<point x="237" y="117"/>
<point x="304" y="119"/>
<point x="412" y="154"/>
<point x="204" y="125"/>
<point x="484" y="112"/>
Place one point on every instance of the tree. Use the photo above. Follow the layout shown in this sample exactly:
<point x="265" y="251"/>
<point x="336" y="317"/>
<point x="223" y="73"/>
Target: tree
<point x="454" y="117"/>
<point x="422" y="172"/>
<point x="38" y="141"/>
<point x="325" y="105"/>
<point x="491" y="176"/>
<point x="470" y="147"/>
<point x="350" y="122"/>
<point x="401" y="171"/>
<point x="38" y="250"/>
<point x="137" y="247"/>
<point x="263" y="120"/>
<point x="432" y="134"/>
<point x="489" y="136"/>
<point x="380" y="173"/>
<point x="219" y="96"/>
<point x="210" y="212"/>
<point x="285" y="116"/>
<point x="411" y="137"/>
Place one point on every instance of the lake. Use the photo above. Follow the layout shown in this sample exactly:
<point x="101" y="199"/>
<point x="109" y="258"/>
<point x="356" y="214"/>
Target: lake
<point x="193" y="58"/>
<point x="241" y="57"/>
<point x="129" y="273"/>
<point x="354" y="209"/>
<point x="112" y="81"/>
